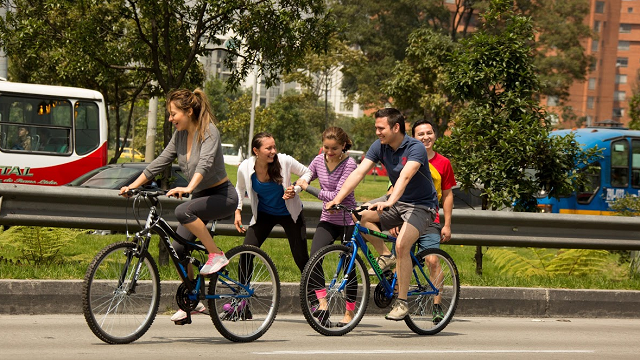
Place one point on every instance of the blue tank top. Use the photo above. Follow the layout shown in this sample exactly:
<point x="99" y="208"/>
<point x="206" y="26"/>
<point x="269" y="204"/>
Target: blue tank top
<point x="269" y="197"/>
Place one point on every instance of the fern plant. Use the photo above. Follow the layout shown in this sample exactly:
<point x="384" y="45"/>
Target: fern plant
<point x="549" y="263"/>
<point x="34" y="245"/>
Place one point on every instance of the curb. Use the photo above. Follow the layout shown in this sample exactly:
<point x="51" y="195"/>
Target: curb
<point x="39" y="297"/>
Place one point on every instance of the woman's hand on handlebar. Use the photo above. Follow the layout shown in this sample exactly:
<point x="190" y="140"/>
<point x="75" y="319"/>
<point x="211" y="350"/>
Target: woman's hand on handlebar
<point x="238" y="222"/>
<point x="124" y="191"/>
<point x="179" y="192"/>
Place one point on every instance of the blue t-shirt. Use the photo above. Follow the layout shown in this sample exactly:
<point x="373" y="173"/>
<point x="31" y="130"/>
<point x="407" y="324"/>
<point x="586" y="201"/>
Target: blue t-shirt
<point x="420" y="189"/>
<point x="269" y="197"/>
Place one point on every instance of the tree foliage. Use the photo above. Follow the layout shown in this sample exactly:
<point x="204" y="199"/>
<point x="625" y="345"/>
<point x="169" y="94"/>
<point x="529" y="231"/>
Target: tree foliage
<point x="88" y="42"/>
<point x="380" y="30"/>
<point x="500" y="138"/>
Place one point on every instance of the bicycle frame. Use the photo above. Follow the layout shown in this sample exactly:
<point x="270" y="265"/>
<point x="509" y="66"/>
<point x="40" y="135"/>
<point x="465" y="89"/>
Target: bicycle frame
<point x="358" y="242"/>
<point x="158" y="225"/>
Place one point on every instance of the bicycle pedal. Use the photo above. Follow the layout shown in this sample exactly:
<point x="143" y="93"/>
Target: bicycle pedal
<point x="185" y="321"/>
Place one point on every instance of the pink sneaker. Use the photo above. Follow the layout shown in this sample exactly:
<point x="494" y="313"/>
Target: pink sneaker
<point x="214" y="264"/>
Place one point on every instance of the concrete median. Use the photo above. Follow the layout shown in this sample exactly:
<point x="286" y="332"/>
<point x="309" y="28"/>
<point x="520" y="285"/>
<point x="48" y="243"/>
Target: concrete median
<point x="65" y="297"/>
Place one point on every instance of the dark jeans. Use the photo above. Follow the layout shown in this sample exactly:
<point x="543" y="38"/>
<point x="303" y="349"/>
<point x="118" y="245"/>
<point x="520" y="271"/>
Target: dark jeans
<point x="296" y="233"/>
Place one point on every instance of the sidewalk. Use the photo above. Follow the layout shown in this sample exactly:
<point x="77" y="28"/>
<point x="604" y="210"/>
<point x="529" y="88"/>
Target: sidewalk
<point x="64" y="297"/>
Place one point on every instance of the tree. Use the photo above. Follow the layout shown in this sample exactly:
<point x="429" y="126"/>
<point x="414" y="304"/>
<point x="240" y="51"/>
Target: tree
<point x="297" y="123"/>
<point x="418" y="82"/>
<point x="162" y="40"/>
<point x="500" y="137"/>
<point x="380" y="30"/>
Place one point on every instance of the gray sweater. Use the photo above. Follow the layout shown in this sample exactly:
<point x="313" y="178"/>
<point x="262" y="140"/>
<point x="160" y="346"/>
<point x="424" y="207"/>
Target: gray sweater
<point x="206" y="158"/>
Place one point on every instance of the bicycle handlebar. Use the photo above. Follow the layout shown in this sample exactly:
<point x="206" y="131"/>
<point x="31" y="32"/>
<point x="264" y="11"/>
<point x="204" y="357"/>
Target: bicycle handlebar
<point x="352" y="211"/>
<point x="150" y="193"/>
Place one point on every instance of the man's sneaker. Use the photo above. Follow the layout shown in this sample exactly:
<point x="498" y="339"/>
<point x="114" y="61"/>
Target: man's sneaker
<point x="181" y="314"/>
<point x="214" y="264"/>
<point x="399" y="311"/>
<point x="385" y="263"/>
<point x="438" y="314"/>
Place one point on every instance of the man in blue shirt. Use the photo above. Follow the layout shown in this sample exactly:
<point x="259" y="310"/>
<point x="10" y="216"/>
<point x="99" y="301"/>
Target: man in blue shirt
<point x="412" y="203"/>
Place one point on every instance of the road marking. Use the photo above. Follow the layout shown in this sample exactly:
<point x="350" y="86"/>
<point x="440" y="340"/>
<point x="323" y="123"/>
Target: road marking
<point x="330" y="352"/>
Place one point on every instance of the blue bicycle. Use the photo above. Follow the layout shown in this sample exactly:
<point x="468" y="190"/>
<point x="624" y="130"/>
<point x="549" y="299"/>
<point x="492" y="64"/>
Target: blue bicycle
<point x="335" y="281"/>
<point x="121" y="289"/>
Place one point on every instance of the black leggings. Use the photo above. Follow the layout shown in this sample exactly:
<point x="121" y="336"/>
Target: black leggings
<point x="326" y="234"/>
<point x="296" y="233"/>
<point x="214" y="203"/>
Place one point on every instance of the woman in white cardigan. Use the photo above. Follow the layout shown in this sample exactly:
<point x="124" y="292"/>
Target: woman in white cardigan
<point x="266" y="179"/>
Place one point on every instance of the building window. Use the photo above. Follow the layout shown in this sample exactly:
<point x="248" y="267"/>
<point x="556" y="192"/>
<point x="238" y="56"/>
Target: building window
<point x="552" y="101"/>
<point x="594" y="45"/>
<point x="592" y="83"/>
<point x="593" y="65"/>
<point x="599" y="7"/>
<point x="623" y="45"/>
<point x="622" y="62"/>
<point x="596" y="26"/>
<point x="590" y="102"/>
<point x="630" y="10"/>
<point x="619" y="96"/>
<point x="625" y="28"/>
<point x="618" y="112"/>
<point x="621" y="79"/>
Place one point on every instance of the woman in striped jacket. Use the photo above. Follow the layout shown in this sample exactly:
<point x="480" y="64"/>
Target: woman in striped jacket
<point x="331" y="168"/>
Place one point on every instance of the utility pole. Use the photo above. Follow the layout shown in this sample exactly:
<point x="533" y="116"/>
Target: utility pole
<point x="253" y="109"/>
<point x="152" y="119"/>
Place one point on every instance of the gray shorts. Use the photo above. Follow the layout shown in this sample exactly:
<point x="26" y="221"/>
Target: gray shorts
<point x="417" y="215"/>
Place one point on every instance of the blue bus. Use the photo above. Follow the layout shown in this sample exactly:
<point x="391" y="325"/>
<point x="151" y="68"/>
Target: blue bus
<point x="614" y="175"/>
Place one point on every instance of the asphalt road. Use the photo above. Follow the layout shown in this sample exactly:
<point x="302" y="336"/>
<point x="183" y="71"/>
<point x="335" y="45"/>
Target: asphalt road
<point x="68" y="337"/>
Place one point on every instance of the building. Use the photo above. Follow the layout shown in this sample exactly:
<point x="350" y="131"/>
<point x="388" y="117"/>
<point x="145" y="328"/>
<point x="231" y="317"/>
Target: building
<point x="612" y="79"/>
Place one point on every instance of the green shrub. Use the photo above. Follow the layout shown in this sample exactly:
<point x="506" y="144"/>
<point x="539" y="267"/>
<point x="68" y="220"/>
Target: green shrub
<point x="34" y="245"/>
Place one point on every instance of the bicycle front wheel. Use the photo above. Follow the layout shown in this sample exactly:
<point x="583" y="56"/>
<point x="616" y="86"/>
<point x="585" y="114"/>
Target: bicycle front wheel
<point x="243" y="313"/>
<point x="433" y="292"/>
<point x="117" y="308"/>
<point x="328" y="290"/>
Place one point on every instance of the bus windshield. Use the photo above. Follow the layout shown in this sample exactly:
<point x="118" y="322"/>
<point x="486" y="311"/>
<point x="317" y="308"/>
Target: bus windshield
<point x="58" y="128"/>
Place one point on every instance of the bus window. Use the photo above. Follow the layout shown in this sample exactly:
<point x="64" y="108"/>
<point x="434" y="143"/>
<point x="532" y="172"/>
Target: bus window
<point x="87" y="127"/>
<point x="586" y="193"/>
<point x="635" y="163"/>
<point x="620" y="163"/>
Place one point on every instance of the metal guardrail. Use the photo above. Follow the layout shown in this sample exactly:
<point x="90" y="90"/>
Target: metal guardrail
<point x="105" y="210"/>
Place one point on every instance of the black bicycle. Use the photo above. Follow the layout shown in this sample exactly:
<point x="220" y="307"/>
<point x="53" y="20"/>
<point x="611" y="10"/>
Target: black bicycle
<point x="338" y="273"/>
<point x="121" y="290"/>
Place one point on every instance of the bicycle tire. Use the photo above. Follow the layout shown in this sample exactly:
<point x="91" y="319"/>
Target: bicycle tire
<point x="424" y="317"/>
<point x="237" y="318"/>
<point x="325" y="265"/>
<point x="115" y="313"/>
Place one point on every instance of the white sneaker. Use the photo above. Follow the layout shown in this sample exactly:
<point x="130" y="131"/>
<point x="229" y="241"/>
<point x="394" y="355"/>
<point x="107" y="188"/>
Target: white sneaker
<point x="214" y="264"/>
<point x="181" y="314"/>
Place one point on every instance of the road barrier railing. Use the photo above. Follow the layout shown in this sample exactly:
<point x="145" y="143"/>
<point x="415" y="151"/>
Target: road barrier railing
<point x="100" y="209"/>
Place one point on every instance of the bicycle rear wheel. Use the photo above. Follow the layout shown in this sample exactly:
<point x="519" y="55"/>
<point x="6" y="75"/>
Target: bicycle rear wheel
<point x="322" y="277"/>
<point x="117" y="310"/>
<point x="242" y="315"/>
<point x="430" y="313"/>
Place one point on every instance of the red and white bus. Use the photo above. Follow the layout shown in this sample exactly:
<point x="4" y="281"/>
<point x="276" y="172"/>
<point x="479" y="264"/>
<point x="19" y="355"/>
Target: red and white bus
<point x="50" y="135"/>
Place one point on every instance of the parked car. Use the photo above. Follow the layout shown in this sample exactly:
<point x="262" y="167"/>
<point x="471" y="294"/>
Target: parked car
<point x="129" y="153"/>
<point x="115" y="176"/>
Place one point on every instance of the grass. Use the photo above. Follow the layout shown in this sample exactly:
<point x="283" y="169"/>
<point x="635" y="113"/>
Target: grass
<point x="77" y="254"/>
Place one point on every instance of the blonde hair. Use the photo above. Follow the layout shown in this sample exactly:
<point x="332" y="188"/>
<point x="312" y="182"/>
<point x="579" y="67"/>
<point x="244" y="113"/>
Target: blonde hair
<point x="197" y="101"/>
